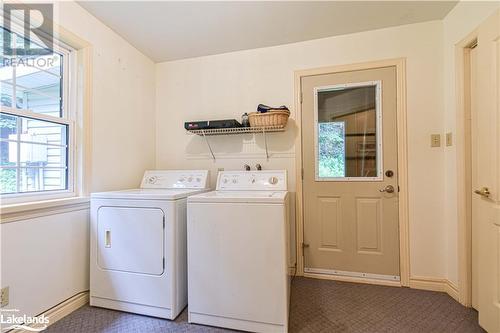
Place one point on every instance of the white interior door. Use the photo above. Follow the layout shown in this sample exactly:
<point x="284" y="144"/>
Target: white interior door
<point x="485" y="141"/>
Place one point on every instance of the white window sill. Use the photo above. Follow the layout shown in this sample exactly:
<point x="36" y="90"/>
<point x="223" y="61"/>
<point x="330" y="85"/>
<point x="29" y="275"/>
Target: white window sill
<point x="34" y="206"/>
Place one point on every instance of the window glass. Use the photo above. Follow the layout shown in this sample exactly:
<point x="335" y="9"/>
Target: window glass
<point x="347" y="132"/>
<point x="35" y="82"/>
<point x="33" y="155"/>
<point x="34" y="145"/>
<point x="331" y="149"/>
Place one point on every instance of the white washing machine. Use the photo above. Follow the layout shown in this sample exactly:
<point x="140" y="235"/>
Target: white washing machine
<point x="238" y="252"/>
<point x="138" y="244"/>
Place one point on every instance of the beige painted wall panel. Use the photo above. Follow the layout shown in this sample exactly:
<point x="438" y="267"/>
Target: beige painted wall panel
<point x="123" y="117"/>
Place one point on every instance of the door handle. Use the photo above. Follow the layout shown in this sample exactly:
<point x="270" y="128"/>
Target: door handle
<point x="107" y="238"/>
<point x="387" y="189"/>
<point x="484" y="192"/>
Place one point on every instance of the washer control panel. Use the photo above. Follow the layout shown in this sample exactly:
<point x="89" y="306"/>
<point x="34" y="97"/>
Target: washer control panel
<point x="175" y="179"/>
<point x="268" y="180"/>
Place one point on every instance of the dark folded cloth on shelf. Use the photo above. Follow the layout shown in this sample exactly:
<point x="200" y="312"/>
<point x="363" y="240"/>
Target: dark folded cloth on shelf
<point x="262" y="108"/>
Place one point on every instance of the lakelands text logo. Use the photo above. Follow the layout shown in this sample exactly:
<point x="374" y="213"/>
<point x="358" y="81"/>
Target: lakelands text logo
<point x="10" y="319"/>
<point x="37" y="26"/>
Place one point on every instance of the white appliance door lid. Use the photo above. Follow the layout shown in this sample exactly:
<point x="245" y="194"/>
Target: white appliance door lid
<point x="240" y="196"/>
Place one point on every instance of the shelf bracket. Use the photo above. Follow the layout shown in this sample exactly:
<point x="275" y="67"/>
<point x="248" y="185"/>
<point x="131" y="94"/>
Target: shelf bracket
<point x="265" y="143"/>
<point x="208" y="144"/>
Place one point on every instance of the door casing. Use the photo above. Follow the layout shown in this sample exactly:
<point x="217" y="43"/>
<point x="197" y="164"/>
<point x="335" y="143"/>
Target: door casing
<point x="464" y="167"/>
<point x="400" y="65"/>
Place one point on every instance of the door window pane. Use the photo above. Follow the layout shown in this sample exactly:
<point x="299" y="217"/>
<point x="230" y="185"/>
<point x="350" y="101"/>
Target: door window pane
<point x="347" y="134"/>
<point x="331" y="149"/>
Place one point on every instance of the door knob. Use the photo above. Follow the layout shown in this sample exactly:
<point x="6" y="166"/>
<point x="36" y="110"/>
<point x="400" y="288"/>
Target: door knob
<point x="484" y="192"/>
<point x="388" y="189"/>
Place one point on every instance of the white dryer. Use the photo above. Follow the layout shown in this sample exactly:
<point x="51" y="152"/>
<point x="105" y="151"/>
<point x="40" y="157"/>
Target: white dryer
<point x="238" y="251"/>
<point x="138" y="244"/>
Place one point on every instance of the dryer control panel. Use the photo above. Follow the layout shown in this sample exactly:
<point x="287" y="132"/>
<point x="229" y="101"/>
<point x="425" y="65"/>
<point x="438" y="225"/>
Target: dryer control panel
<point x="268" y="180"/>
<point x="175" y="179"/>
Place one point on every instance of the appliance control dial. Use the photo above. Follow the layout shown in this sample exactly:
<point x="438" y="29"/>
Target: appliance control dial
<point x="273" y="180"/>
<point x="152" y="180"/>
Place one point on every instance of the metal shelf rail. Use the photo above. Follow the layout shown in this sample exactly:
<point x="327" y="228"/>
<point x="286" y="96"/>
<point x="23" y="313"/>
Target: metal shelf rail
<point x="236" y="130"/>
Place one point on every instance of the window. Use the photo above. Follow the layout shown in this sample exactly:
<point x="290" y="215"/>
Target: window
<point x="348" y="132"/>
<point x="36" y="125"/>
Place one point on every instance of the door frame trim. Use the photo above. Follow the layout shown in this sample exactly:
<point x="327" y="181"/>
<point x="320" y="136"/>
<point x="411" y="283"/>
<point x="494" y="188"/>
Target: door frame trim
<point x="464" y="160"/>
<point x="400" y="65"/>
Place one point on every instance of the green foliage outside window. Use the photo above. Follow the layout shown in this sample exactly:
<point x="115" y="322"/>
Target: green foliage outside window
<point x="8" y="181"/>
<point x="7" y="176"/>
<point x="331" y="150"/>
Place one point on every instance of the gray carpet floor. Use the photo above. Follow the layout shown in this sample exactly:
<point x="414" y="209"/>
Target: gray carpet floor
<point x="316" y="306"/>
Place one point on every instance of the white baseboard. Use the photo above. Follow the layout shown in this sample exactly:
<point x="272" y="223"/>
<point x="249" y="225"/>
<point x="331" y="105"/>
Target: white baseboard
<point x="452" y="290"/>
<point x="62" y="309"/>
<point x="435" y="284"/>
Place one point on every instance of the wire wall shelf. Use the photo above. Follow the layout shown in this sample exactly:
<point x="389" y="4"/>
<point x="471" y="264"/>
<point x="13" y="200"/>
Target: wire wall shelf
<point x="237" y="130"/>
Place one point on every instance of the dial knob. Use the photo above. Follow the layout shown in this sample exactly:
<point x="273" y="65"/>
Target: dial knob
<point x="152" y="180"/>
<point x="225" y="180"/>
<point x="273" y="180"/>
<point x="235" y="181"/>
<point x="190" y="179"/>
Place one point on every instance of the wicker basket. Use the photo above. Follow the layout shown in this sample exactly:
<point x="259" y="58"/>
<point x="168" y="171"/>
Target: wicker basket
<point x="270" y="118"/>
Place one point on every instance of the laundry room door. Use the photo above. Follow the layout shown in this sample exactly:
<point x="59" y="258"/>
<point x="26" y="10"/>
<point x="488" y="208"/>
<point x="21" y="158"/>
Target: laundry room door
<point x="350" y="174"/>
<point x="485" y="174"/>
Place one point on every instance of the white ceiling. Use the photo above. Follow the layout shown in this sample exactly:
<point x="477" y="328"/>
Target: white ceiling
<point x="175" y="30"/>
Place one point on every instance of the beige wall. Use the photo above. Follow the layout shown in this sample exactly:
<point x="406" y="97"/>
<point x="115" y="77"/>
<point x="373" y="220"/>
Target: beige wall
<point x="462" y="20"/>
<point x="123" y="118"/>
<point x="44" y="260"/>
<point x="226" y="85"/>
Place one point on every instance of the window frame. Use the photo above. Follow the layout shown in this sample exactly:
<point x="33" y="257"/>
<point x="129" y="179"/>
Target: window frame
<point x="68" y="118"/>
<point x="378" y="109"/>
